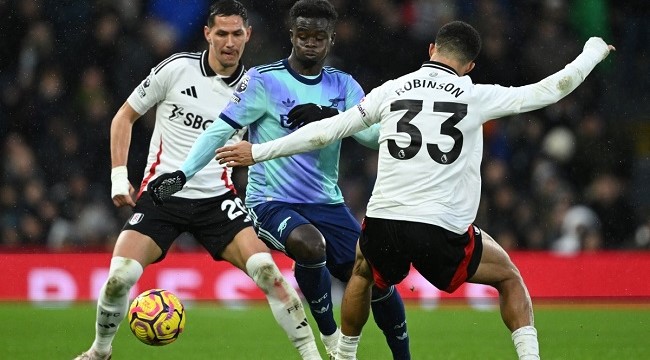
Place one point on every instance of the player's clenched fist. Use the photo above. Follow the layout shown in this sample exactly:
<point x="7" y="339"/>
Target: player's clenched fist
<point x="164" y="186"/>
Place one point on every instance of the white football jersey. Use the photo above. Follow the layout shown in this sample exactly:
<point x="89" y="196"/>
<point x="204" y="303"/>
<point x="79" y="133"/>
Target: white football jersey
<point x="189" y="97"/>
<point x="431" y="137"/>
<point x="431" y="145"/>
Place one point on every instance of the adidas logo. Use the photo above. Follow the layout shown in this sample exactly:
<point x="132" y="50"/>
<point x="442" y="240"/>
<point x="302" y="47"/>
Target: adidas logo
<point x="190" y="91"/>
<point x="404" y="336"/>
<point x="288" y="103"/>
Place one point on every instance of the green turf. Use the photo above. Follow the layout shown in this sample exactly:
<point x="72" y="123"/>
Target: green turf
<point x="218" y="332"/>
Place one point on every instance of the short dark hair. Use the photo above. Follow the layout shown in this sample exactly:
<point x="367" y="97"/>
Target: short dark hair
<point x="320" y="9"/>
<point x="460" y="40"/>
<point x="227" y="8"/>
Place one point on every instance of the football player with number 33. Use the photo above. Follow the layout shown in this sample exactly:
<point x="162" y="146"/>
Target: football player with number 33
<point x="428" y="186"/>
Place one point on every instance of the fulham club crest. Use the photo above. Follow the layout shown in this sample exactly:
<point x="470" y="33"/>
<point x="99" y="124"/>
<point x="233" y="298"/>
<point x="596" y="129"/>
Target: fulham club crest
<point x="136" y="218"/>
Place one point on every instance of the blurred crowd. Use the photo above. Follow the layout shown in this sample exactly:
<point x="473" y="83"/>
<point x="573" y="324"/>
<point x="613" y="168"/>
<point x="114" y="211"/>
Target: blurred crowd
<point x="571" y="177"/>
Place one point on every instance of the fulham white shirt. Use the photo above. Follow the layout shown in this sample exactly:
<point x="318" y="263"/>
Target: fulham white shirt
<point x="188" y="96"/>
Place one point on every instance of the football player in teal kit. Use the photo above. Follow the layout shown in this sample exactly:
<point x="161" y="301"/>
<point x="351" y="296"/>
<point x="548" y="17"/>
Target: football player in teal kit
<point x="295" y="202"/>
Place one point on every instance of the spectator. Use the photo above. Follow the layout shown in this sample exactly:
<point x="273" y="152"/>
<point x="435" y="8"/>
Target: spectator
<point x="580" y="231"/>
<point x="606" y="195"/>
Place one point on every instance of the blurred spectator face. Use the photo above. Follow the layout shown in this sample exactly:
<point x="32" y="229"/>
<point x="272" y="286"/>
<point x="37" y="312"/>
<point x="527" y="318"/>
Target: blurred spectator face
<point x="495" y="173"/>
<point x="161" y="35"/>
<point x="30" y="9"/>
<point x="47" y="210"/>
<point x="10" y="238"/>
<point x="108" y="29"/>
<point x="51" y="85"/>
<point x="312" y="39"/>
<point x="78" y="185"/>
<point x="19" y="158"/>
<point x="93" y="95"/>
<point x="592" y="241"/>
<point x="33" y="193"/>
<point x="606" y="189"/>
<point x="227" y="39"/>
<point x="31" y="229"/>
<point x="8" y="197"/>
<point x="507" y="239"/>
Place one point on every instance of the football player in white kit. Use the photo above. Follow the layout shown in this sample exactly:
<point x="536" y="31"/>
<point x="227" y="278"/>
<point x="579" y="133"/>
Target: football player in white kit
<point x="189" y="91"/>
<point x="428" y="185"/>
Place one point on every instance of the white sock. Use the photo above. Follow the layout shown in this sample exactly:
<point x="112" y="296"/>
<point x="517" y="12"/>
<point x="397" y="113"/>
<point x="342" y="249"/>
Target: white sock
<point x="113" y="301"/>
<point x="331" y="341"/>
<point x="285" y="303"/>
<point x="525" y="340"/>
<point x="347" y="348"/>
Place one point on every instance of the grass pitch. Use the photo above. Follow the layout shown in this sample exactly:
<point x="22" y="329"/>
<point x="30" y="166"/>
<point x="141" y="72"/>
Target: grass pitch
<point x="215" y="331"/>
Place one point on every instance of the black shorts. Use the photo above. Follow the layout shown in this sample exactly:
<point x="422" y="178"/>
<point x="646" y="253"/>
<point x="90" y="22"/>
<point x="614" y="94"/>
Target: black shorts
<point x="444" y="258"/>
<point x="213" y="222"/>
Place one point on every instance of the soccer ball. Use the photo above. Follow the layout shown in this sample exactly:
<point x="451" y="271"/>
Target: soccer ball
<point x="156" y="317"/>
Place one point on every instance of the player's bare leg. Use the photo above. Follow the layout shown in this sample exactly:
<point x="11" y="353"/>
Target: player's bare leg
<point x="496" y="269"/>
<point x="132" y="253"/>
<point x="355" y="308"/>
<point x="251" y="255"/>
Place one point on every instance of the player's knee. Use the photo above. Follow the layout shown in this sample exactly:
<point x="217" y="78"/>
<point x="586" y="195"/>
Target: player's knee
<point x="510" y="277"/>
<point x="263" y="271"/>
<point x="306" y="244"/>
<point x="307" y="249"/>
<point x="510" y="270"/>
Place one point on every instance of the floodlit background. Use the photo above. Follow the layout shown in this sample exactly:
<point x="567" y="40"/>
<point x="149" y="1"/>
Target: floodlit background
<point x="570" y="177"/>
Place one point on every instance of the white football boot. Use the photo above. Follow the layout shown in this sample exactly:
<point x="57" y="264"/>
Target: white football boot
<point x="331" y="342"/>
<point x="92" y="355"/>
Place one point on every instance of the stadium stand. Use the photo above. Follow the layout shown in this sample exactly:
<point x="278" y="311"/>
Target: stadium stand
<point x="571" y="177"/>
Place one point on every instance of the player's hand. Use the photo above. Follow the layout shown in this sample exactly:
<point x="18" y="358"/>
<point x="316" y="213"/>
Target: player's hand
<point x="121" y="189"/>
<point x="598" y="47"/>
<point x="164" y="186"/>
<point x="239" y="154"/>
<point x="120" y="200"/>
<point x="304" y="114"/>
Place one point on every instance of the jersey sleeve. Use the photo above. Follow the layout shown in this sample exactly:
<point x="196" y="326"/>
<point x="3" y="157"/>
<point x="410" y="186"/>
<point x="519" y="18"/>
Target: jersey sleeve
<point x="151" y="91"/>
<point x="204" y="147"/>
<point x="368" y="137"/>
<point x="319" y="134"/>
<point x="498" y="101"/>
<point x="245" y="106"/>
<point x="248" y="102"/>
<point x="354" y="93"/>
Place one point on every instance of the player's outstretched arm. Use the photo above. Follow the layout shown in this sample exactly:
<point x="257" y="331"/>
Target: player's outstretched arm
<point x="498" y="101"/>
<point x="202" y="152"/>
<point x="368" y="137"/>
<point x="122" y="191"/>
<point x="553" y="88"/>
<point x="310" y="137"/>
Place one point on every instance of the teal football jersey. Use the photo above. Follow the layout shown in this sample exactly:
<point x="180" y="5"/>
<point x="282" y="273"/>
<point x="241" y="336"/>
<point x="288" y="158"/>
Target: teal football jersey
<point x="261" y="102"/>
